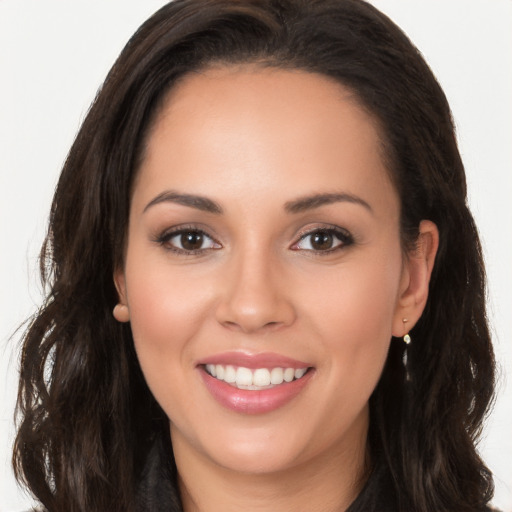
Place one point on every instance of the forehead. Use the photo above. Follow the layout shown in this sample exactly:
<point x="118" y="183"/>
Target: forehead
<point x="261" y="127"/>
<point x="248" y="93"/>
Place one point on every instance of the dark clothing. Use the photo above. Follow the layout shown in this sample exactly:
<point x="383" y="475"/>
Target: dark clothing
<point x="158" y="489"/>
<point x="158" y="494"/>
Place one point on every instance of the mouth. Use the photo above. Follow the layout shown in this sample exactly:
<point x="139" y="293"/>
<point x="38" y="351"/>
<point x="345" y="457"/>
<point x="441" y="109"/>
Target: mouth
<point x="254" y="379"/>
<point x="254" y="383"/>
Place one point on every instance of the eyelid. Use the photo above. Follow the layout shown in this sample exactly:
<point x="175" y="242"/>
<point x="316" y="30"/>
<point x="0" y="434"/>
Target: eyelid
<point x="167" y="234"/>
<point x="343" y="235"/>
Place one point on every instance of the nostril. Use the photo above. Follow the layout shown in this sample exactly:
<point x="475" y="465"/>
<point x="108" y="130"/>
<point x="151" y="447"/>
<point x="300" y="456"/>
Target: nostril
<point x="248" y="309"/>
<point x="246" y="327"/>
<point x="231" y="324"/>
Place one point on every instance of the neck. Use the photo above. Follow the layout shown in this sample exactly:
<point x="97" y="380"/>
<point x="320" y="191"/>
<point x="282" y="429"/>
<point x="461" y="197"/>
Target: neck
<point x="326" y="483"/>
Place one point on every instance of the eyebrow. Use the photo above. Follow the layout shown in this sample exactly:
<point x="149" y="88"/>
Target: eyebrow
<point x="296" y="206"/>
<point x="198" y="202"/>
<point x="315" y="201"/>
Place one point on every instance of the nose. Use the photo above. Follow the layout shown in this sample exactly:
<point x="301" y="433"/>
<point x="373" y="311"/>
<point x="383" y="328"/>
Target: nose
<point x="254" y="295"/>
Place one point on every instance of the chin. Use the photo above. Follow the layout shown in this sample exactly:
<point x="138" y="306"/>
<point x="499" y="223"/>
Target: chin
<point x="256" y="460"/>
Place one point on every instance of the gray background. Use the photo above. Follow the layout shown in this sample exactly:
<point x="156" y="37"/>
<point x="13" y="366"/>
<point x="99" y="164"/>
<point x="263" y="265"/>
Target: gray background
<point x="54" y="55"/>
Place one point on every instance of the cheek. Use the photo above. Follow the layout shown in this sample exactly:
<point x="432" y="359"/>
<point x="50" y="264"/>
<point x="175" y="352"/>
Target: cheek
<point x="353" y="313"/>
<point x="157" y="313"/>
<point x="166" y="308"/>
<point x="166" y="312"/>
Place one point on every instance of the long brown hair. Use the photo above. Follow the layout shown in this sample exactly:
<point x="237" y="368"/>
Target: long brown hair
<point x="88" y="420"/>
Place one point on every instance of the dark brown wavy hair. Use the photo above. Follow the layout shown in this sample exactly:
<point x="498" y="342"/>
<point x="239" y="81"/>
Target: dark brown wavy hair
<point x="88" y="423"/>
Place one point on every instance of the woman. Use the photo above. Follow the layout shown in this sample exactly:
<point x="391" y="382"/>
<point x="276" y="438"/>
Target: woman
<point x="260" y="244"/>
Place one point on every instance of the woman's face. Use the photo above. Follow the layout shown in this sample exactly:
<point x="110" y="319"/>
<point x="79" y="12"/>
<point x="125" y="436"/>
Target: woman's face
<point x="264" y="249"/>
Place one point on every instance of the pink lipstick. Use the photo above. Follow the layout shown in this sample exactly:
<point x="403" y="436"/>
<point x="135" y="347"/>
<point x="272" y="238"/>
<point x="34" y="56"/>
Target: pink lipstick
<point x="254" y="383"/>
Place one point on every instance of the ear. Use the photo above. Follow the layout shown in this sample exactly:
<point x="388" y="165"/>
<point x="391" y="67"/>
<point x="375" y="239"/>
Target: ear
<point x="413" y="293"/>
<point x="121" y="311"/>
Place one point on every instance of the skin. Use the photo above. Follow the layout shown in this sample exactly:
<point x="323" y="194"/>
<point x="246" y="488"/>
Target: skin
<point x="254" y="140"/>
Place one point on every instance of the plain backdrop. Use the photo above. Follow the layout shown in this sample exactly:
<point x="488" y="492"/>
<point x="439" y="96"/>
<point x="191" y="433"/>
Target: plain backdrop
<point x="54" y="55"/>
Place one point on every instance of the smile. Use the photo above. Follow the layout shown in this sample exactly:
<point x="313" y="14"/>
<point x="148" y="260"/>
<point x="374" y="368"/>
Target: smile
<point x="254" y="383"/>
<point x="254" y="379"/>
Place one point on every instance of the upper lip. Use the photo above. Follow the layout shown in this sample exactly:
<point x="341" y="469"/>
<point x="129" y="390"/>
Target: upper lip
<point x="253" y="361"/>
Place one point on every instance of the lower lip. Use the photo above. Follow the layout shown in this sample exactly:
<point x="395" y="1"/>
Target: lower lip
<point x="253" y="401"/>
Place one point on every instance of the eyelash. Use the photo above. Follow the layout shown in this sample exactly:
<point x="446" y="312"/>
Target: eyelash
<point x="344" y="238"/>
<point x="165" y="240"/>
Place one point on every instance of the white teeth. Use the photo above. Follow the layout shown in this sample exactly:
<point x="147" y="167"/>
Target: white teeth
<point x="260" y="378"/>
<point x="230" y="374"/>
<point x="276" y="376"/>
<point x="210" y="368"/>
<point x="219" y="370"/>
<point x="299" y="372"/>
<point x="289" y="374"/>
<point x="243" y="376"/>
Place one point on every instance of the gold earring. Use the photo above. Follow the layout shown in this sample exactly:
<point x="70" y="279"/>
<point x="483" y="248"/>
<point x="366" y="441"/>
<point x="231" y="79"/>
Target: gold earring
<point x="407" y="341"/>
<point x="407" y="337"/>
<point x="121" y="313"/>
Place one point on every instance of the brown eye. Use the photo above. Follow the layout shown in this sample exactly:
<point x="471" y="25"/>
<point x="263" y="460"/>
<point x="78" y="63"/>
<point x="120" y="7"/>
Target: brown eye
<point x="191" y="241"/>
<point x="324" y="240"/>
<point x="188" y="241"/>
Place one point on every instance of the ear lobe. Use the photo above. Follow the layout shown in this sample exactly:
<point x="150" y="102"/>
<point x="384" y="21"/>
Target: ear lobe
<point x="414" y="287"/>
<point x="121" y="312"/>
